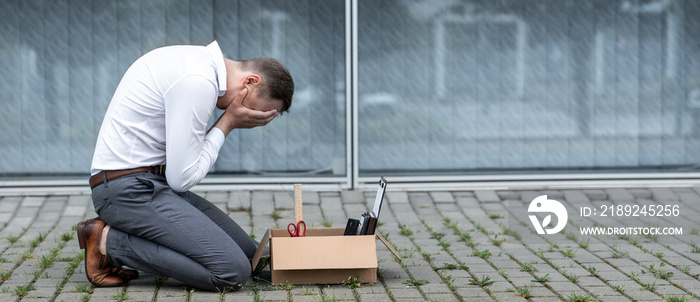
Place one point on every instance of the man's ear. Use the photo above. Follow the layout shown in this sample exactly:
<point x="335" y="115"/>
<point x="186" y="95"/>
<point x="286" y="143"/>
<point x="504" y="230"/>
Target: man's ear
<point x="252" y="79"/>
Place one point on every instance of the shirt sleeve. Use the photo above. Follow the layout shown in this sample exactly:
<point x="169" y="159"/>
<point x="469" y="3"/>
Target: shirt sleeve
<point x="190" y="152"/>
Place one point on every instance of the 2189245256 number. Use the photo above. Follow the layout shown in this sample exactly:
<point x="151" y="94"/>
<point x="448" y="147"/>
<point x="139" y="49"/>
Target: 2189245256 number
<point x="640" y="210"/>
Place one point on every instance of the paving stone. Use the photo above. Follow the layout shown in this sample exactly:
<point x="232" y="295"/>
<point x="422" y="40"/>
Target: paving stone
<point x="691" y="285"/>
<point x="352" y="196"/>
<point x="5" y="217"/>
<point x="170" y="299"/>
<point x="506" y="195"/>
<point x="442" y="197"/>
<point x="475" y="293"/>
<point x="284" y="200"/>
<point x="441" y="297"/>
<point x="310" y="197"/>
<point x="207" y="296"/>
<point x="669" y="290"/>
<point x="418" y="199"/>
<point x="9" y="204"/>
<point x="239" y="201"/>
<point x="487" y="196"/>
<point x="689" y="198"/>
<point x="435" y="288"/>
<point x="77" y="211"/>
<point x="411" y="293"/>
<point x="57" y="214"/>
<point x="528" y="196"/>
<point x="467" y="202"/>
<point x="273" y="295"/>
<point x="458" y="194"/>
<point x="42" y="292"/>
<point x="338" y="291"/>
<point x="262" y="203"/>
<point x="553" y="194"/>
<point x="376" y="288"/>
<point x="424" y="273"/>
<point x="539" y="291"/>
<point x="52" y="206"/>
<point x="309" y="298"/>
<point x="105" y="293"/>
<point x="576" y="197"/>
<point x="371" y="297"/>
<point x="79" y="199"/>
<point x="620" y="196"/>
<point x="594" y="194"/>
<point x="664" y="195"/>
<point x="602" y="290"/>
<point x="148" y="296"/>
<point x="396" y="197"/>
<point x="69" y="297"/>
<point x="640" y="193"/>
<point x="216" y="197"/>
<point x="32" y="201"/>
<point x="563" y="286"/>
<point x="616" y="298"/>
<point x="641" y="295"/>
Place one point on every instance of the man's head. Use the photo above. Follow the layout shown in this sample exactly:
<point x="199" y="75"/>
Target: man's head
<point x="274" y="83"/>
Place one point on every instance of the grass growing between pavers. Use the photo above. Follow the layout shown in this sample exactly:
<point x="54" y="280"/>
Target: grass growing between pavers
<point x="496" y="239"/>
<point x="570" y="252"/>
<point x="676" y="299"/>
<point x="45" y="261"/>
<point x="571" y="277"/>
<point x="439" y="258"/>
<point x="482" y="281"/>
<point x="262" y="290"/>
<point x="43" y="255"/>
<point x="657" y="271"/>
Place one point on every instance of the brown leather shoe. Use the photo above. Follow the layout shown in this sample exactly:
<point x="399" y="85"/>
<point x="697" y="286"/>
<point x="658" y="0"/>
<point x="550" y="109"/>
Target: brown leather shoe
<point x="129" y="274"/>
<point x="97" y="268"/>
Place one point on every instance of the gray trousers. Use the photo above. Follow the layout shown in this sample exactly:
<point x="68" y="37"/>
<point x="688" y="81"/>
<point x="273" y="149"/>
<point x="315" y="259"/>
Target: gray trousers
<point x="180" y="235"/>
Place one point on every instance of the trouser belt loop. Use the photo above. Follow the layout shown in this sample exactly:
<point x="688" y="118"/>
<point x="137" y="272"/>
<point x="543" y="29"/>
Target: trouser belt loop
<point x="104" y="177"/>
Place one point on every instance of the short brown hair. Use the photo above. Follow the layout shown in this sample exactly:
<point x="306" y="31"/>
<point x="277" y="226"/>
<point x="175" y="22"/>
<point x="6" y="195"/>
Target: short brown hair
<point x="277" y="81"/>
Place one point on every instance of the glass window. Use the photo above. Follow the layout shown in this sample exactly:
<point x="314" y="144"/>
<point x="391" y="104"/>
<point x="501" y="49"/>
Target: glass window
<point x="446" y="87"/>
<point x="62" y="60"/>
<point x="454" y="87"/>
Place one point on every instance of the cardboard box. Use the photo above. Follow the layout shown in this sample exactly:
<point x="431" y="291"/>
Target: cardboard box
<point x="323" y="256"/>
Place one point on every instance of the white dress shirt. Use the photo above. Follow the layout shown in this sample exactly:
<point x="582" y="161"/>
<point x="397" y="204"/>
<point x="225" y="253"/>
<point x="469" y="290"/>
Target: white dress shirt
<point x="159" y="113"/>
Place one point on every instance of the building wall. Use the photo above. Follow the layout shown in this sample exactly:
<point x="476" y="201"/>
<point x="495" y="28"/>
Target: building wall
<point x="444" y="86"/>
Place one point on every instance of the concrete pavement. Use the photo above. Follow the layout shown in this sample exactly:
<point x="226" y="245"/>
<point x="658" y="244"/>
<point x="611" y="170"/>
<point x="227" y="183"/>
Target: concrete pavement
<point x="456" y="245"/>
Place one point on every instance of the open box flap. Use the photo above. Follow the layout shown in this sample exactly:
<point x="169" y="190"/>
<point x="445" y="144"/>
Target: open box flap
<point x="391" y="248"/>
<point x="261" y="249"/>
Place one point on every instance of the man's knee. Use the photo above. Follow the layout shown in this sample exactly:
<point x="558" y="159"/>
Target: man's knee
<point x="233" y="277"/>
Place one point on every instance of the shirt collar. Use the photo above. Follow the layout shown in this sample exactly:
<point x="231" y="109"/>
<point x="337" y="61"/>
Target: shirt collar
<point x="218" y="58"/>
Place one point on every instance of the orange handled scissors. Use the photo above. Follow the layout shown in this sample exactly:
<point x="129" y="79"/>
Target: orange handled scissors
<point x="297" y="230"/>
